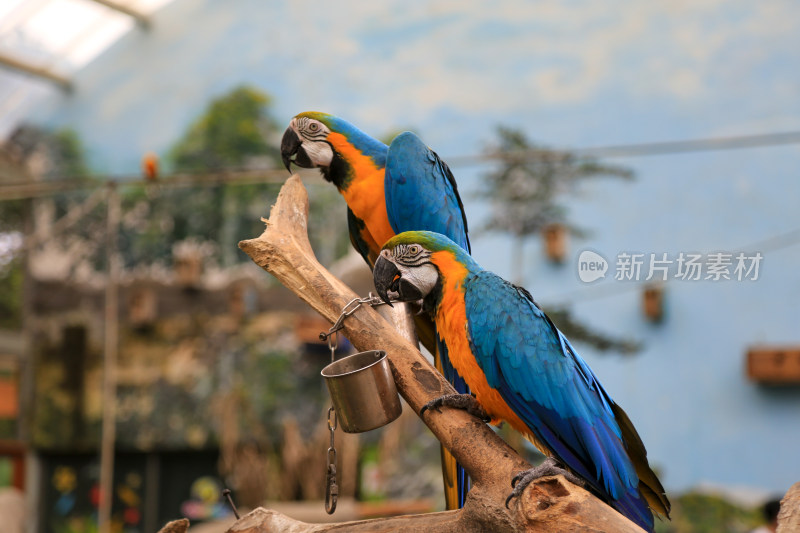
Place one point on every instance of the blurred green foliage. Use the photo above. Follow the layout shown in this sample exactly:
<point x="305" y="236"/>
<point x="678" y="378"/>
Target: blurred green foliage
<point x="524" y="191"/>
<point x="11" y="294"/>
<point x="6" y="472"/>
<point x="67" y="155"/>
<point x="67" y="158"/>
<point x="234" y="128"/>
<point x="12" y="215"/>
<point x="695" y="512"/>
<point x="235" y="132"/>
<point x="77" y="524"/>
<point x="577" y="330"/>
<point x="61" y="155"/>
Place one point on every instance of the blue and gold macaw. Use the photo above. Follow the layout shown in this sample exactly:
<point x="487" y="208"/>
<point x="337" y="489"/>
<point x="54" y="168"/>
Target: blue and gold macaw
<point x="521" y="369"/>
<point x="388" y="189"/>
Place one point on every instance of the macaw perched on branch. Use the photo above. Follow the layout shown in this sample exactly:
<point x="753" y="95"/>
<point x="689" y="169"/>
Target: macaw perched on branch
<point x="388" y="190"/>
<point x="523" y="370"/>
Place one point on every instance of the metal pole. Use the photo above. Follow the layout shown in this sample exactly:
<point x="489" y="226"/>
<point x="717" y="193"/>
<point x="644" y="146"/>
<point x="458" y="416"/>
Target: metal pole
<point x="109" y="362"/>
<point x="33" y="484"/>
<point x="138" y="16"/>
<point x="35" y="70"/>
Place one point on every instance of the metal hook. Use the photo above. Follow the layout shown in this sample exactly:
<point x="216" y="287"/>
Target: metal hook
<point x="350" y="308"/>
<point x="332" y="426"/>
<point x="227" y="494"/>
<point x="331" y="490"/>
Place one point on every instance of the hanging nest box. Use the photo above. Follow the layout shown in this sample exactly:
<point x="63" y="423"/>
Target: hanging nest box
<point x="554" y="237"/>
<point x="653" y="302"/>
<point x="774" y="365"/>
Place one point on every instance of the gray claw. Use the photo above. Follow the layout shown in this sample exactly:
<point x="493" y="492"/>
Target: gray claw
<point x="466" y="402"/>
<point x="549" y="467"/>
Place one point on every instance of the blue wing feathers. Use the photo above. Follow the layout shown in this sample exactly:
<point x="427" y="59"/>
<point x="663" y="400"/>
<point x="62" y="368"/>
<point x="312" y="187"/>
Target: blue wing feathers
<point x="415" y="176"/>
<point x="542" y="378"/>
<point x="421" y="194"/>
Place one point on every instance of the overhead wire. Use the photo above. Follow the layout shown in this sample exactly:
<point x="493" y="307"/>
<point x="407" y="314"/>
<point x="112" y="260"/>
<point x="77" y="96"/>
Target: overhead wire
<point x="34" y="189"/>
<point x="641" y="149"/>
<point x="241" y="177"/>
<point x="31" y="189"/>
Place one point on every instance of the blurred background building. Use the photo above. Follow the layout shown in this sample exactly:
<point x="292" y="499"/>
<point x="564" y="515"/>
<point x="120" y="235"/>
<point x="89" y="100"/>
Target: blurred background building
<point x="169" y="114"/>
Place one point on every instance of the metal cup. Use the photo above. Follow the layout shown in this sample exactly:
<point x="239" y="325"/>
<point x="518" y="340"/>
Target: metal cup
<point x="363" y="391"/>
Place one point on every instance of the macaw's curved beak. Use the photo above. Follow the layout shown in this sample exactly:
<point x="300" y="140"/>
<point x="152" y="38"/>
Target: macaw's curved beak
<point x="387" y="277"/>
<point x="292" y="150"/>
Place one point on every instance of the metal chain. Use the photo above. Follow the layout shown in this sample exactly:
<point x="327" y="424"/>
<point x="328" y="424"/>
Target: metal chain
<point x="331" y="487"/>
<point x="350" y="308"/>
<point x="332" y="336"/>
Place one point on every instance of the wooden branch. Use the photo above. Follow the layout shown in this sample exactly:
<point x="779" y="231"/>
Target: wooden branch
<point x="551" y="504"/>
<point x="176" y="526"/>
<point x="789" y="515"/>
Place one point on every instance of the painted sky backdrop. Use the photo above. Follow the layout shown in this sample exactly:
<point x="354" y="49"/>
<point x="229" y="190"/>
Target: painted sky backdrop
<point x="570" y="74"/>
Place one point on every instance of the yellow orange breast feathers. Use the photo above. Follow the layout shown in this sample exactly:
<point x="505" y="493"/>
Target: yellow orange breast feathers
<point x="451" y="324"/>
<point x="365" y="195"/>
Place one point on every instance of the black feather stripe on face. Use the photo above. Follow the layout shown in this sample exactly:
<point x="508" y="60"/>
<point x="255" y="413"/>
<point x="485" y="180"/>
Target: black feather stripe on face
<point x="310" y="129"/>
<point x="411" y="255"/>
<point x="431" y="302"/>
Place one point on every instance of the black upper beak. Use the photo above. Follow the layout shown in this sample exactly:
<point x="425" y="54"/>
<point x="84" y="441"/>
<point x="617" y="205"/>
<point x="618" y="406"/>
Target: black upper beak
<point x="290" y="145"/>
<point x="386" y="276"/>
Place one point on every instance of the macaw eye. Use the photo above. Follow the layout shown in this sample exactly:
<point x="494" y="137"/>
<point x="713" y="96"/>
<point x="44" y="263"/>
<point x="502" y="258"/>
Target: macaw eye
<point x="313" y="126"/>
<point x="413" y="249"/>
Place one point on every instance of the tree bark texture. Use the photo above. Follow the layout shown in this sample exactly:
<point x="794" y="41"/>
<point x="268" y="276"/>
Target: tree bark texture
<point x="789" y="515"/>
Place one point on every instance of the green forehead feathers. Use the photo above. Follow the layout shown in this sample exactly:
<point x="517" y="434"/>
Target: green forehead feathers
<point x="427" y="239"/>
<point x="325" y="118"/>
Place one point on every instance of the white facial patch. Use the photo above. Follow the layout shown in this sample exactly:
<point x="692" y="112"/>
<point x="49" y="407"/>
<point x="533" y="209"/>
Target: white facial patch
<point x="320" y="153"/>
<point x="423" y="277"/>
<point x="314" y="135"/>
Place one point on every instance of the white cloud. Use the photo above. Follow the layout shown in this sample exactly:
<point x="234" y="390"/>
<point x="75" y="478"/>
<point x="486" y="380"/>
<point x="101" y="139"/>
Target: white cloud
<point x="523" y="54"/>
<point x="556" y="68"/>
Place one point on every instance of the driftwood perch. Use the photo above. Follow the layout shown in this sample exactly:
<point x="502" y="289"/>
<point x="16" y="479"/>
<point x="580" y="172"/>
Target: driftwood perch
<point x="176" y="526"/>
<point x="551" y="504"/>
<point x="789" y="515"/>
